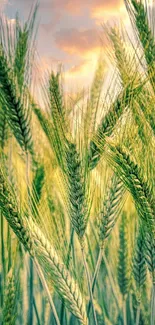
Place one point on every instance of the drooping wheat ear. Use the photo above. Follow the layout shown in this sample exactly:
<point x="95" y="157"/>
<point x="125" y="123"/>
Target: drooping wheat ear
<point x="63" y="282"/>
<point x="10" y="211"/>
<point x="131" y="175"/>
<point x="76" y="185"/>
<point x="18" y="115"/>
<point x="108" y="123"/>
<point x="9" y="309"/>
<point x="138" y="12"/>
<point x="111" y="208"/>
<point x="139" y="265"/>
<point x="123" y="258"/>
<point x="3" y="128"/>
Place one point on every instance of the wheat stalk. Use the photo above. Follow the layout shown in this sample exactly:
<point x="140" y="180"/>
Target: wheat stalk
<point x="139" y="270"/>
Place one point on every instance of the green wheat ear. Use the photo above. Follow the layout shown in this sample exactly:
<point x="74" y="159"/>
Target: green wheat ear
<point x="138" y="13"/>
<point x="56" y="99"/>
<point x="109" y="122"/>
<point x="37" y="187"/>
<point x="150" y="253"/>
<point x="139" y="264"/>
<point x="76" y="187"/>
<point x="111" y="208"/>
<point x="24" y="48"/>
<point x="132" y="176"/>
<point x="48" y="128"/>
<point x="38" y="181"/>
<point x="124" y="61"/>
<point x="3" y="128"/>
<point x="65" y="285"/>
<point x="10" y="306"/>
<point x="123" y="258"/>
<point x="9" y="208"/>
<point x="18" y="115"/>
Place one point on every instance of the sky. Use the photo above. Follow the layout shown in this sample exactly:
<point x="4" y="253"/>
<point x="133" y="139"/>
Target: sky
<point x="70" y="32"/>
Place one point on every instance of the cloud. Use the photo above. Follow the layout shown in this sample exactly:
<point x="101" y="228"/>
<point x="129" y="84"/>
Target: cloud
<point x="75" y="6"/>
<point x="48" y="27"/>
<point x="79" y="68"/>
<point x="110" y="4"/>
<point x="76" y="41"/>
<point x="110" y="7"/>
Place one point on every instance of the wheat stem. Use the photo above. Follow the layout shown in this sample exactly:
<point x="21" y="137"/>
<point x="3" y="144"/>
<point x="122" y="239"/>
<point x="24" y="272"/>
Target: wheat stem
<point x="124" y="312"/>
<point x="8" y="227"/>
<point x="2" y="254"/>
<point x="36" y="312"/>
<point x="43" y="281"/>
<point x="30" y="277"/>
<point x="89" y="284"/>
<point x="153" y="305"/>
<point x="111" y="280"/>
<point x="97" y="268"/>
<point x="138" y="314"/>
<point x="67" y="264"/>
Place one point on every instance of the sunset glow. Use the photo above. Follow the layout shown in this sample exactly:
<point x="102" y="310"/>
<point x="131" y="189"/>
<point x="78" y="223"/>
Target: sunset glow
<point x="70" y="33"/>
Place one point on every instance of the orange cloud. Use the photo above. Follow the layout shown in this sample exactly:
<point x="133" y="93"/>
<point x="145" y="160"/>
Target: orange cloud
<point x="79" y="42"/>
<point x="110" y="4"/>
<point x="76" y="6"/>
<point x="109" y="7"/>
<point x="76" y="69"/>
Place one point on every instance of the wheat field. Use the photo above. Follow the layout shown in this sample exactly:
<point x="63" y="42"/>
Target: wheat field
<point x="77" y="181"/>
